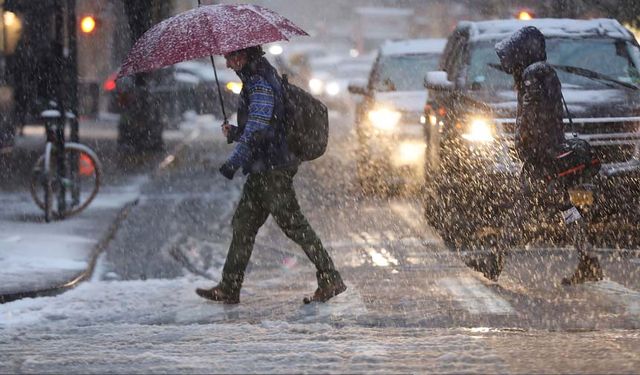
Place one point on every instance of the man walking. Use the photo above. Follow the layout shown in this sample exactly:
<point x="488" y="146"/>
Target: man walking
<point x="539" y="139"/>
<point x="262" y="152"/>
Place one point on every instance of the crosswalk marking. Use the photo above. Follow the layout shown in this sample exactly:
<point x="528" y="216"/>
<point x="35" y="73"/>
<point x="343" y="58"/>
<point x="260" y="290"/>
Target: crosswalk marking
<point x="409" y="215"/>
<point x="628" y="298"/>
<point x="381" y="257"/>
<point x="474" y="297"/>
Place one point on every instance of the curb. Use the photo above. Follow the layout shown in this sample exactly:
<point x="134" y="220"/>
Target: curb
<point x="83" y="275"/>
<point x="104" y="241"/>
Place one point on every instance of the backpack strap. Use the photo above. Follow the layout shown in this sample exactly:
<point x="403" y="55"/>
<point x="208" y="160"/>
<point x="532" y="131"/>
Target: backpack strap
<point x="566" y="107"/>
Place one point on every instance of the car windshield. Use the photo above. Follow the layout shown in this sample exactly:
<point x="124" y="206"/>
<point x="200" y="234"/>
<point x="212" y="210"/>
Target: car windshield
<point x="616" y="59"/>
<point x="402" y="72"/>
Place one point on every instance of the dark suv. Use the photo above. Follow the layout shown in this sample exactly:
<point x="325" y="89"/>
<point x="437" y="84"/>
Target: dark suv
<point x="471" y="171"/>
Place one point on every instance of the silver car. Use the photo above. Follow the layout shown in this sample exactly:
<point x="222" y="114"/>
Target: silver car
<point x="389" y="119"/>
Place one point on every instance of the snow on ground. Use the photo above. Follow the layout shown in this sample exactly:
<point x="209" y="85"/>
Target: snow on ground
<point x="162" y="326"/>
<point x="30" y="247"/>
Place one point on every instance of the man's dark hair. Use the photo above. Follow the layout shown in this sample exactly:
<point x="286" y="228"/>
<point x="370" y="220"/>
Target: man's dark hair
<point x="253" y="53"/>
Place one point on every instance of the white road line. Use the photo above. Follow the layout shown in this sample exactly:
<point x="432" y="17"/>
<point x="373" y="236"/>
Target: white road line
<point x="413" y="218"/>
<point x="381" y="257"/>
<point x="371" y="238"/>
<point x="620" y="294"/>
<point x="409" y="215"/>
<point x="474" y="297"/>
<point x="390" y="235"/>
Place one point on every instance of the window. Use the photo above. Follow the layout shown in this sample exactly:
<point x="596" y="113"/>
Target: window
<point x="613" y="58"/>
<point x="402" y="72"/>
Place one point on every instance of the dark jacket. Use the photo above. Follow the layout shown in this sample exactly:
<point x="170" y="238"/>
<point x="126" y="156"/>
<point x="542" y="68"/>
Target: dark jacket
<point x="539" y="127"/>
<point x="260" y="136"/>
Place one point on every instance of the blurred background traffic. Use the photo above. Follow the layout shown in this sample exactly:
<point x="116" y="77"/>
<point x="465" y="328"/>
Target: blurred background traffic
<point x="41" y="55"/>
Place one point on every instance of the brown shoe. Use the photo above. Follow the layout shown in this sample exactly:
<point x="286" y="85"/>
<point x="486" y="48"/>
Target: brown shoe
<point x="588" y="270"/>
<point x="329" y="286"/>
<point x="219" y="295"/>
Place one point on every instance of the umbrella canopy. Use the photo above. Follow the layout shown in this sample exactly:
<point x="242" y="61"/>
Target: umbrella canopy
<point x="205" y="31"/>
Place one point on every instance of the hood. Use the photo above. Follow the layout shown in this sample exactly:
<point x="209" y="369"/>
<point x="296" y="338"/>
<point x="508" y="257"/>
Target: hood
<point x="523" y="48"/>
<point x="405" y="101"/>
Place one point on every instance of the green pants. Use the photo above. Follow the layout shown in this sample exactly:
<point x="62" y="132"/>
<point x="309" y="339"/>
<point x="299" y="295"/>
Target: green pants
<point x="263" y="194"/>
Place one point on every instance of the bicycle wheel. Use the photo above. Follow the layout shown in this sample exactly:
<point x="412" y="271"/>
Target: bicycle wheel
<point x="81" y="180"/>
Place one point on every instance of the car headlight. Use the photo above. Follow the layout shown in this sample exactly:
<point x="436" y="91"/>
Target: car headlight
<point x="384" y="118"/>
<point x="411" y="152"/>
<point x="333" y="88"/>
<point x="479" y="130"/>
<point x="316" y="86"/>
<point x="234" y="87"/>
<point x="276" y="49"/>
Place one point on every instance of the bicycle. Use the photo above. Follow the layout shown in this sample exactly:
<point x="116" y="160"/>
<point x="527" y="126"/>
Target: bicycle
<point x="70" y="180"/>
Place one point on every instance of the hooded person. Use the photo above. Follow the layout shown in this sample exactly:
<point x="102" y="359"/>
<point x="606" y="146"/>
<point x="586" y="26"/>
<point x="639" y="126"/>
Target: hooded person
<point x="539" y="138"/>
<point x="261" y="151"/>
<point x="539" y="126"/>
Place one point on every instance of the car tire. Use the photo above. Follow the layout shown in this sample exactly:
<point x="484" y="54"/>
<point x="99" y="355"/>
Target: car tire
<point x="460" y="227"/>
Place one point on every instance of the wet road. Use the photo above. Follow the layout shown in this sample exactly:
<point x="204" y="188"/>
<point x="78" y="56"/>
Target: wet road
<point x="397" y="269"/>
<point x="412" y="306"/>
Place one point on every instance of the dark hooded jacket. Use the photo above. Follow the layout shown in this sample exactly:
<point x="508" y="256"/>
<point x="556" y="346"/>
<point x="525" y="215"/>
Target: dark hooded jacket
<point x="539" y="128"/>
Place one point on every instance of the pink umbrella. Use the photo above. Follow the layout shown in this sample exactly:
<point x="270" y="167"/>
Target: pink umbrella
<point x="206" y="31"/>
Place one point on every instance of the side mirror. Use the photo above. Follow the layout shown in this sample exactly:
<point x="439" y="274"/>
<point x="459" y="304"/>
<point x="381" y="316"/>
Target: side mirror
<point x="355" y="88"/>
<point x="438" y="81"/>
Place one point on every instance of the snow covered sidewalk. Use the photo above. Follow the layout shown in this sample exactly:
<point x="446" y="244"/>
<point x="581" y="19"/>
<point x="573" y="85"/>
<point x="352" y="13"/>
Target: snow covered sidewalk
<point x="38" y="258"/>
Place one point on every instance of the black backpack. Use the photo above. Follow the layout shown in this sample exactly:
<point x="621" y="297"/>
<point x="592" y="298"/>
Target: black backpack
<point x="576" y="160"/>
<point x="306" y="122"/>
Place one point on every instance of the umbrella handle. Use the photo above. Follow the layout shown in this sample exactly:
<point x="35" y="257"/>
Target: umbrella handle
<point x="230" y="134"/>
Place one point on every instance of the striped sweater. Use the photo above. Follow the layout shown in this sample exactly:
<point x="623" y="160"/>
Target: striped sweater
<point x="261" y="106"/>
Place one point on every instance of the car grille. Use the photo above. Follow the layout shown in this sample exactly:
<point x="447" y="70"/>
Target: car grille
<point x="410" y="117"/>
<point x="614" y="140"/>
<point x="603" y="127"/>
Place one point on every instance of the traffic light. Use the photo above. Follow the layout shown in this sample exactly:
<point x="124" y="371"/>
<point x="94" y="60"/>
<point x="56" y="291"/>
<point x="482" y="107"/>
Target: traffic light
<point x="525" y="14"/>
<point x="88" y="24"/>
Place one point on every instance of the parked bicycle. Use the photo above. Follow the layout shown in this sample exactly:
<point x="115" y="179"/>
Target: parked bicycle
<point x="66" y="178"/>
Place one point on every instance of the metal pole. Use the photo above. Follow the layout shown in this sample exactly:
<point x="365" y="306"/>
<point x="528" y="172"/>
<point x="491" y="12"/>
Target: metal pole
<point x="72" y="95"/>
<point x="72" y="68"/>
<point x="215" y="74"/>
<point x="59" y="82"/>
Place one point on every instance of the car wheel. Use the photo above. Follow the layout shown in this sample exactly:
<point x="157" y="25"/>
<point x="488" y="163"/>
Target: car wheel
<point x="457" y="221"/>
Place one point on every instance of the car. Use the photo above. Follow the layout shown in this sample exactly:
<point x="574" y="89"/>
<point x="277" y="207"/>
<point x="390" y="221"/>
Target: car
<point x="471" y="170"/>
<point x="329" y="79"/>
<point x="388" y="128"/>
<point x="185" y="86"/>
<point x="206" y="99"/>
<point x="173" y="91"/>
<point x="293" y="59"/>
